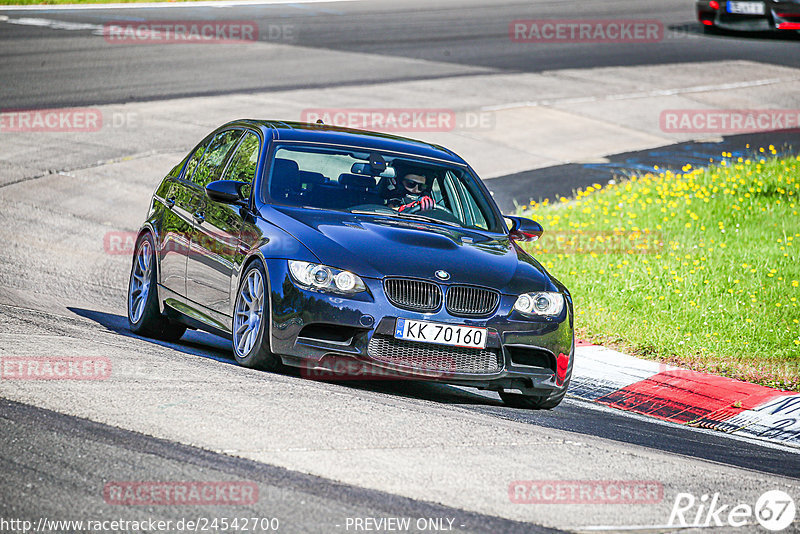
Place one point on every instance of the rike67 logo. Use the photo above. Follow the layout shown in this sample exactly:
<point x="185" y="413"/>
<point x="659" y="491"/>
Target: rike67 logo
<point x="774" y="510"/>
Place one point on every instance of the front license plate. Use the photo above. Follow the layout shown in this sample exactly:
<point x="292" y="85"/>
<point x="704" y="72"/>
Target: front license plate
<point x="442" y="334"/>
<point x="746" y="8"/>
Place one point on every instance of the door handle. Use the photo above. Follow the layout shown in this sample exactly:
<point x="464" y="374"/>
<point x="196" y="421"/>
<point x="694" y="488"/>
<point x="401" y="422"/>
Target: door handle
<point x="170" y="202"/>
<point x="199" y="217"/>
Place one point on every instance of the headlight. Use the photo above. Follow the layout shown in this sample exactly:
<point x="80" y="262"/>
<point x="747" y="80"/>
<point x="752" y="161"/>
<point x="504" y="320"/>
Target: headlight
<point x="324" y="278"/>
<point x="542" y="303"/>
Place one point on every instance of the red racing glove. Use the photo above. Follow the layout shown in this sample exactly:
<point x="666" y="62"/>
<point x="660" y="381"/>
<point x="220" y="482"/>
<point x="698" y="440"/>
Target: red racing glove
<point x="425" y="203"/>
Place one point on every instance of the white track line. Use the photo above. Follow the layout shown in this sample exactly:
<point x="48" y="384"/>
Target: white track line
<point x="170" y="5"/>
<point x="52" y="24"/>
<point x="641" y="94"/>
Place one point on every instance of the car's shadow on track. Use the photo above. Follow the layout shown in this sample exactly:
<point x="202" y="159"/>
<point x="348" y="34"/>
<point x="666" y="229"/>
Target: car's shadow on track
<point x="192" y="342"/>
<point x="210" y="346"/>
<point x="430" y="391"/>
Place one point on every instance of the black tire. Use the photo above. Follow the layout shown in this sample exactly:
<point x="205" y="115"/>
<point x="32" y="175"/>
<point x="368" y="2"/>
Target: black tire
<point x="529" y="402"/>
<point x="253" y="354"/>
<point x="148" y="321"/>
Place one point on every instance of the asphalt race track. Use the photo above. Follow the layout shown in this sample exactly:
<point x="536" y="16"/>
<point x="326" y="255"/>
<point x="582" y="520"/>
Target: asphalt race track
<point x="324" y="454"/>
<point x="455" y="37"/>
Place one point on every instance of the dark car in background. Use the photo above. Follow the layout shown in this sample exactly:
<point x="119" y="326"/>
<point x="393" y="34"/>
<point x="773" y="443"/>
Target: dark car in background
<point x="281" y="237"/>
<point x="749" y="15"/>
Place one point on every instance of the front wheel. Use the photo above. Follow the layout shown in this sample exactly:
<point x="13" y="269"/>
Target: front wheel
<point x="144" y="317"/>
<point x="250" y="322"/>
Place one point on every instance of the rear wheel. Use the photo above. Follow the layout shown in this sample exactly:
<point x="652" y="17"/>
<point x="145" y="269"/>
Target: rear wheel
<point x="144" y="317"/>
<point x="250" y="322"/>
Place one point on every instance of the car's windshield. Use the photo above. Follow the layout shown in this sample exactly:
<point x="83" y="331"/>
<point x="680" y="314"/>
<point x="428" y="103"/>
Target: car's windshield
<point x="346" y="179"/>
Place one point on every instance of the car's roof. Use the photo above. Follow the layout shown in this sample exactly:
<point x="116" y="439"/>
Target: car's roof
<point x="320" y="133"/>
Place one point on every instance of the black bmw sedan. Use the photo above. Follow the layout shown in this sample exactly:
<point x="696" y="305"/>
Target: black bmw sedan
<point x="309" y="246"/>
<point x="749" y="15"/>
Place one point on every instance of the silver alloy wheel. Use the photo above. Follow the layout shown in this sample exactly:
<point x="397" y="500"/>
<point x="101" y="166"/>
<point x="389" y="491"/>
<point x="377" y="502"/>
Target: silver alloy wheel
<point x="140" y="281"/>
<point x="249" y="311"/>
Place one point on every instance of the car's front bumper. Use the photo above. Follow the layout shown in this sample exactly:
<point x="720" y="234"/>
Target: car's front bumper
<point x="778" y="15"/>
<point x="317" y="331"/>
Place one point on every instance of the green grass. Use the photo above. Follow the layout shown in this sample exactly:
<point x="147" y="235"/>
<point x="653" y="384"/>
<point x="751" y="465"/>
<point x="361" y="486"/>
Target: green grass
<point x="699" y="268"/>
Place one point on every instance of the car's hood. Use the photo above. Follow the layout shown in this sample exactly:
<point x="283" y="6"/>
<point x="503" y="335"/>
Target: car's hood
<point x="378" y="246"/>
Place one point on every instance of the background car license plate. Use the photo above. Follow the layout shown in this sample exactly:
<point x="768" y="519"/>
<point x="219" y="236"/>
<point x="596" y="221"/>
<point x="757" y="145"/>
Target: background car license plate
<point x="443" y="334"/>
<point x="746" y="8"/>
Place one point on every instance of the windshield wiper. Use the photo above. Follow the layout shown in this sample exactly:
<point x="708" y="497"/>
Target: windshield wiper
<point x="403" y="215"/>
<point x="388" y="211"/>
<point x="425" y="218"/>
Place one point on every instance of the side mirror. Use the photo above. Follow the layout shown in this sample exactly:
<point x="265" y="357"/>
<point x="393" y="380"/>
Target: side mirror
<point x="226" y="191"/>
<point x="523" y="229"/>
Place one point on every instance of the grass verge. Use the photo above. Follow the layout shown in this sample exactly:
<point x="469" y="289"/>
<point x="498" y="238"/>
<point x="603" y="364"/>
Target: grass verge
<point x="698" y="268"/>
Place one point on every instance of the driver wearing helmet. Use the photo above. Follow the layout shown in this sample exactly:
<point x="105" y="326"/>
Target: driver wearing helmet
<point x="409" y="188"/>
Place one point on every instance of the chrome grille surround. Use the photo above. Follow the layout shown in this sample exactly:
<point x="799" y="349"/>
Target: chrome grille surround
<point x="411" y="294"/>
<point x="428" y="358"/>
<point x="471" y="300"/>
